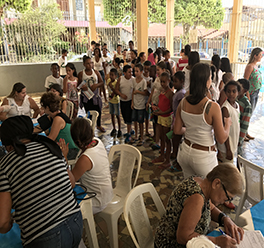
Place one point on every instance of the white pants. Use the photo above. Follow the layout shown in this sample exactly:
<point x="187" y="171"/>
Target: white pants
<point x="195" y="162"/>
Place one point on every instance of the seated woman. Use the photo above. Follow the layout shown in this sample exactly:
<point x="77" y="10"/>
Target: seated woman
<point x="92" y="168"/>
<point x="57" y="90"/>
<point x="20" y="102"/>
<point x="59" y="125"/>
<point x="36" y="183"/>
<point x="192" y="205"/>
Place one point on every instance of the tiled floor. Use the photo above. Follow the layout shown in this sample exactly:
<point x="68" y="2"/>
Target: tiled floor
<point x="163" y="180"/>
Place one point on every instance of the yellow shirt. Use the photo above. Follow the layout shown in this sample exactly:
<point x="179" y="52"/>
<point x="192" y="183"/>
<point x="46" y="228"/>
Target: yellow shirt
<point x="113" y="98"/>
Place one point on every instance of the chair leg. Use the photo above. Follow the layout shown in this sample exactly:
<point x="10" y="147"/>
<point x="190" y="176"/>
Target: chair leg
<point x="90" y="229"/>
<point x="112" y="231"/>
<point x="240" y="206"/>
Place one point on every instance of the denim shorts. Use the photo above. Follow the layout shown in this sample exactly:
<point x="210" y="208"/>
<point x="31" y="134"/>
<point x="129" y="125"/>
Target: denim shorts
<point x="138" y="115"/>
<point x="114" y="108"/>
<point x="67" y="234"/>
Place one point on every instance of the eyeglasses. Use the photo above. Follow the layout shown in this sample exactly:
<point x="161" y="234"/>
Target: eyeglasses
<point x="229" y="199"/>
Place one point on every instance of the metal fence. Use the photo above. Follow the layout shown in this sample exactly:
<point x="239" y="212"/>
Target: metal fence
<point x="41" y="33"/>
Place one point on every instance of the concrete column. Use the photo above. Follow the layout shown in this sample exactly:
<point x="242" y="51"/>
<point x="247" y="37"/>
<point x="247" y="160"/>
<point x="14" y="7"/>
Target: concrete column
<point x="92" y="29"/>
<point x="234" y="31"/>
<point x="142" y="26"/>
<point x="170" y="25"/>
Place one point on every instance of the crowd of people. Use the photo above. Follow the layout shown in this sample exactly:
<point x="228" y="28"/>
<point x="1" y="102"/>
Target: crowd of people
<point x="200" y="116"/>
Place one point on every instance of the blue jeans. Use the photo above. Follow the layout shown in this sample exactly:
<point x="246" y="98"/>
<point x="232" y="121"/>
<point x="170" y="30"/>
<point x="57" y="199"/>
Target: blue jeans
<point x="254" y="99"/>
<point x="67" y="234"/>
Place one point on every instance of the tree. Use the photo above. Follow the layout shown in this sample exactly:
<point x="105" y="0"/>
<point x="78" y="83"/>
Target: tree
<point x="36" y="31"/>
<point x="191" y="13"/>
<point x="18" y="5"/>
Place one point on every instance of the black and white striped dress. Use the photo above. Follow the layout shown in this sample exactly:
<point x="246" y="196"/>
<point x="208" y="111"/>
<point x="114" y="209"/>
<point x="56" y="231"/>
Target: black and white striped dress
<point x="40" y="190"/>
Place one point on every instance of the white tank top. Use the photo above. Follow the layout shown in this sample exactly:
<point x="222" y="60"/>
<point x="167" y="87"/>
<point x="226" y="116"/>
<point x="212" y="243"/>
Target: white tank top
<point x="92" y="79"/>
<point x="98" y="179"/>
<point x="98" y="65"/>
<point x="126" y="88"/>
<point x="198" y="131"/>
<point x="234" y="128"/>
<point x="15" y="110"/>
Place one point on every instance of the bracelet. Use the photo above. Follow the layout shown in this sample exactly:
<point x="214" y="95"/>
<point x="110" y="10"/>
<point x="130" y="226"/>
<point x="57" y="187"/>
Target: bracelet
<point x="220" y="216"/>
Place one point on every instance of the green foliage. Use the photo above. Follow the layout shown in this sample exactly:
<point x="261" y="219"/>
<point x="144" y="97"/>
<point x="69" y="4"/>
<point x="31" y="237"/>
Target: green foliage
<point x="18" y="5"/>
<point x="37" y="31"/>
<point x="191" y="13"/>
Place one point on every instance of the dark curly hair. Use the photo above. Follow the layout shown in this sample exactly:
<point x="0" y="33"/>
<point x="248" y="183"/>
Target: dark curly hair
<point x="50" y="100"/>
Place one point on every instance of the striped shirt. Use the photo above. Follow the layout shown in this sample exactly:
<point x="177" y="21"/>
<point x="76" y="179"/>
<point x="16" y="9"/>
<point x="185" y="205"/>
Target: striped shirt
<point x="40" y="190"/>
<point x="245" y="114"/>
<point x="182" y="63"/>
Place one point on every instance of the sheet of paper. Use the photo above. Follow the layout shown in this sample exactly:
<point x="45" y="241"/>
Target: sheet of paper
<point x="252" y="239"/>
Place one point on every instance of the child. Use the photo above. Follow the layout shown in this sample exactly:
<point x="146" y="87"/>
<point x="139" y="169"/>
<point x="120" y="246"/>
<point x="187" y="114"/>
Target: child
<point x="154" y="100"/>
<point x="149" y="80"/>
<point x="178" y="84"/>
<point x="114" y="102"/>
<point x="124" y="89"/>
<point x="70" y="87"/>
<point x="118" y="53"/>
<point x="230" y="108"/>
<point x="245" y="111"/>
<point x="63" y="62"/>
<point x="108" y="63"/>
<point x="117" y="64"/>
<point x="54" y="78"/>
<point x="225" y="79"/>
<point x="164" y="112"/>
<point x="125" y="56"/>
<point x="138" y="102"/>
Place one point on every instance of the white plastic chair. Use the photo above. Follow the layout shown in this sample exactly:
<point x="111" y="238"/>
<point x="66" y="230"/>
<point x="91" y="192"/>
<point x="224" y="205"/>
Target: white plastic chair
<point x="135" y="212"/>
<point x="88" y="222"/>
<point x="128" y="157"/>
<point x="69" y="109"/>
<point x="254" y="184"/>
<point x="94" y="115"/>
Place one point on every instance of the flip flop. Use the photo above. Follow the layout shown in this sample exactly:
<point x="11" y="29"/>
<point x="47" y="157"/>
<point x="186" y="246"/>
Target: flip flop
<point x="140" y="143"/>
<point x="101" y="129"/>
<point x="157" y="161"/>
<point x="164" y="166"/>
<point x="173" y="169"/>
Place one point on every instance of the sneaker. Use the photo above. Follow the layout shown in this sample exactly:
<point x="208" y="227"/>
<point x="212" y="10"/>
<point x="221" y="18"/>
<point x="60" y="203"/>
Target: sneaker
<point x="113" y="133"/>
<point x="119" y="133"/>
<point x="127" y="139"/>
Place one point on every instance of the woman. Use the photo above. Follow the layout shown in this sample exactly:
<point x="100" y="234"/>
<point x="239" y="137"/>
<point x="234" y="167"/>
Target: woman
<point x="91" y="170"/>
<point x="200" y="120"/>
<point x="253" y="75"/>
<point x="99" y="65"/>
<point x="20" y="102"/>
<point x="217" y="77"/>
<point x="59" y="124"/>
<point x="35" y="181"/>
<point x="94" y="81"/>
<point x="194" y="58"/>
<point x="57" y="90"/>
<point x="192" y="205"/>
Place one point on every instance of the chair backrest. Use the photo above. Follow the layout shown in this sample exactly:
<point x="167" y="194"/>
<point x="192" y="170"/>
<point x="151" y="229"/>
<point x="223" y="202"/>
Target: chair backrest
<point x="128" y="157"/>
<point x="94" y="115"/>
<point x="254" y="180"/>
<point x="69" y="109"/>
<point x="135" y="213"/>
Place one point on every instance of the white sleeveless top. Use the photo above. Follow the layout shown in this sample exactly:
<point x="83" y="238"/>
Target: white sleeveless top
<point x="91" y="79"/>
<point x="98" y="65"/>
<point x="198" y="131"/>
<point x="98" y="179"/>
<point x="15" y="110"/>
<point x="234" y="128"/>
<point x="126" y="88"/>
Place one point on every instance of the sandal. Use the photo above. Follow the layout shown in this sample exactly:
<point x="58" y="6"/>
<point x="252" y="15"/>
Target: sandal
<point x="148" y="134"/>
<point x="157" y="160"/>
<point x="155" y="147"/>
<point x="164" y="166"/>
<point x="140" y="143"/>
<point x="173" y="169"/>
<point x="101" y="129"/>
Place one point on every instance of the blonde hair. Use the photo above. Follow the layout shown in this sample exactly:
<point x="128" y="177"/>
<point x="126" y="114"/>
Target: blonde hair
<point x="229" y="176"/>
<point x="255" y="51"/>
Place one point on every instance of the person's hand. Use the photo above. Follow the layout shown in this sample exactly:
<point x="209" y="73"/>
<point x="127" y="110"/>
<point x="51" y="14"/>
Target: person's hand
<point x="229" y="155"/>
<point x="137" y="92"/>
<point x="64" y="148"/>
<point x="147" y="106"/>
<point x="85" y="88"/>
<point x="132" y="105"/>
<point x="226" y="241"/>
<point x="233" y="230"/>
<point x="123" y="96"/>
<point x="93" y="87"/>
<point x="227" y="121"/>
